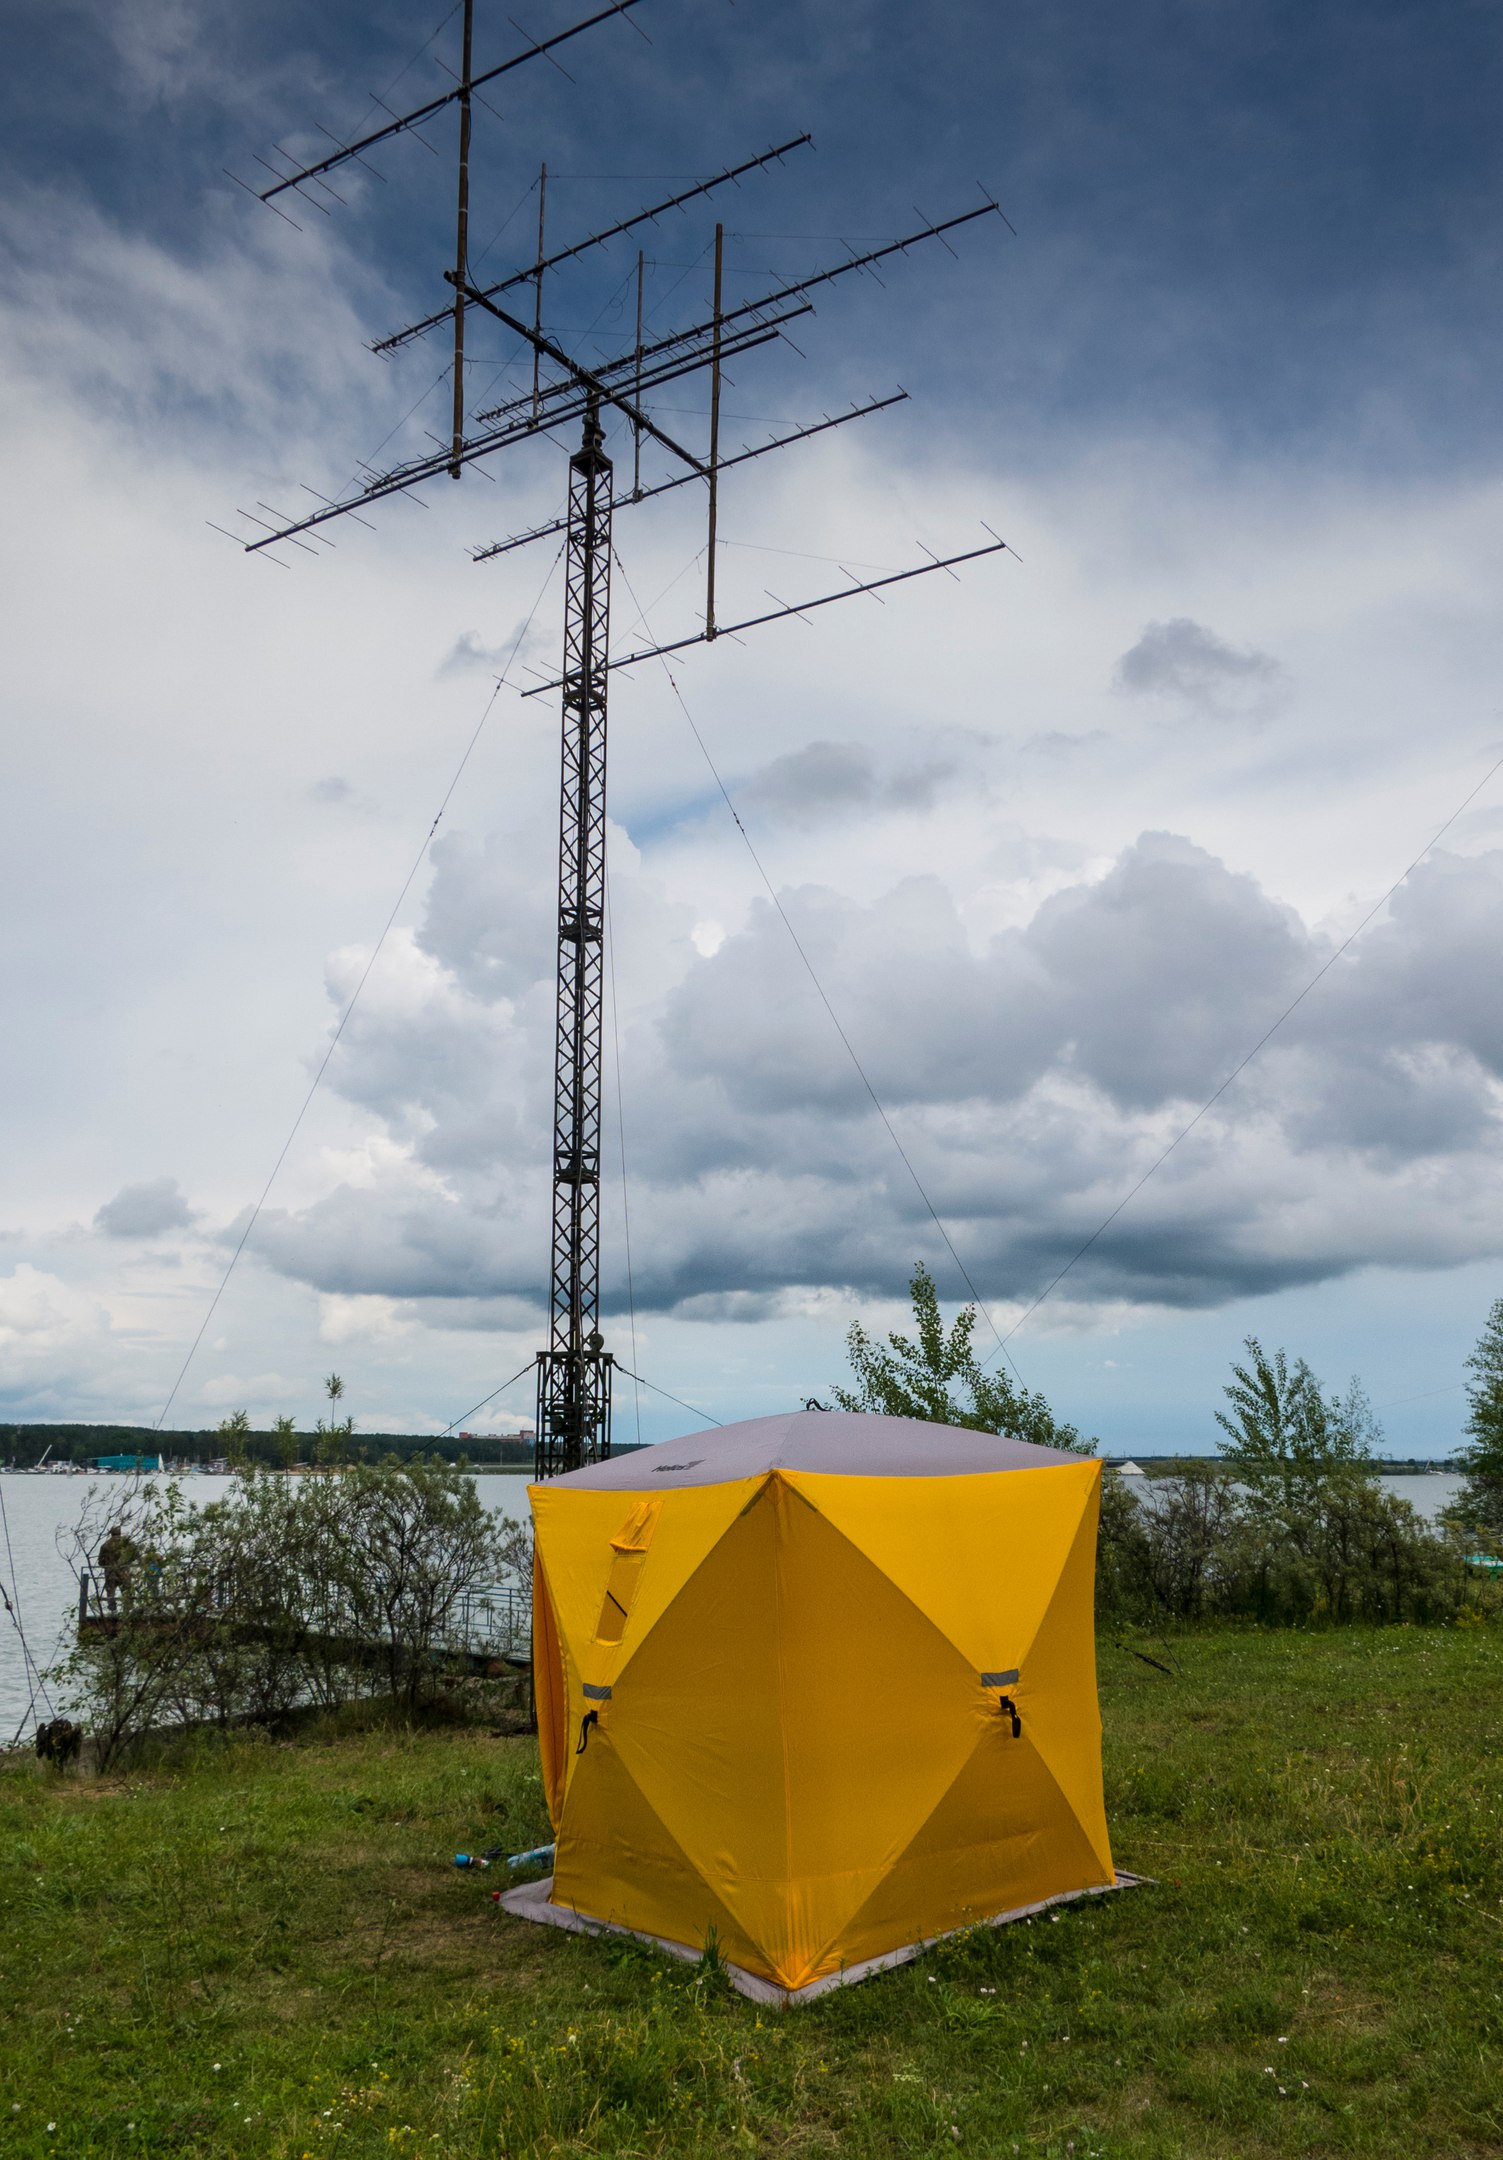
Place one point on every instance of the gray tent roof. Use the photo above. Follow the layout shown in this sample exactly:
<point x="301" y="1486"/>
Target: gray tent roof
<point x="838" y="1442"/>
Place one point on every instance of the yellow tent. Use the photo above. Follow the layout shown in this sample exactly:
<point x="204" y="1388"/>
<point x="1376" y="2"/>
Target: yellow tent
<point x="822" y="1684"/>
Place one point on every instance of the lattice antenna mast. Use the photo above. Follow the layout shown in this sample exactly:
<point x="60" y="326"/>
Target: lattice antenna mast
<point x="462" y="236"/>
<point x="574" y="1371"/>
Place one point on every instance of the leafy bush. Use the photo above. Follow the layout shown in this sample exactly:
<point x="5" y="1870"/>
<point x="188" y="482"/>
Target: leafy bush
<point x="286" y="1592"/>
<point x="1289" y="1524"/>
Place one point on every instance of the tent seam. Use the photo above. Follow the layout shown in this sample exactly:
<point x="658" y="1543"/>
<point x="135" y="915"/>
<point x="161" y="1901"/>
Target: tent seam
<point x="1043" y="1762"/>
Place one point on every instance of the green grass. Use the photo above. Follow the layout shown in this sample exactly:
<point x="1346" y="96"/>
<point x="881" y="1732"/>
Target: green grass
<point x="268" y="1951"/>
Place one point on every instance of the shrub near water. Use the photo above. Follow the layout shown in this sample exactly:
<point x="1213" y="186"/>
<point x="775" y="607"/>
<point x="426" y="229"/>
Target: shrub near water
<point x="1290" y="1524"/>
<point x="289" y="1591"/>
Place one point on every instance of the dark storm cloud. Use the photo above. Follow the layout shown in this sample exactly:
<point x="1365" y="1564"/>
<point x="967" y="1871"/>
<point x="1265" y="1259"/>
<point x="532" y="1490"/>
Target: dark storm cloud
<point x="1183" y="661"/>
<point x="360" y="1244"/>
<point x="1197" y="195"/>
<point x="1031" y="1081"/>
<point x="144" y="1211"/>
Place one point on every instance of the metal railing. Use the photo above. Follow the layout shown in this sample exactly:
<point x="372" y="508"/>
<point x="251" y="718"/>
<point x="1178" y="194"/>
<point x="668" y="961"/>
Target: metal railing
<point x="490" y="1620"/>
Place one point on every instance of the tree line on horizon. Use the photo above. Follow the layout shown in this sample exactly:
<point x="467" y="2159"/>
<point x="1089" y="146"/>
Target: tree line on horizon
<point x="331" y="1444"/>
<point x="23" y="1445"/>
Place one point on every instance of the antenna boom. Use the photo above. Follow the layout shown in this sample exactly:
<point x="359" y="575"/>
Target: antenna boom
<point x="425" y="112"/>
<point x="600" y="239"/>
<point x="664" y="487"/>
<point x="799" y="607"/>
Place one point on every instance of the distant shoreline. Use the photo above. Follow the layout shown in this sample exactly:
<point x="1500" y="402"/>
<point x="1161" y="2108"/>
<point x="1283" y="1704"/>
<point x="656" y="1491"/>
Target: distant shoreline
<point x="1385" y="1465"/>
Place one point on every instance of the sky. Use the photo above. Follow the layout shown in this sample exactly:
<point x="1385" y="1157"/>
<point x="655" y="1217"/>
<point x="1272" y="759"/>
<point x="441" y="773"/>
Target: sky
<point x="1185" y="813"/>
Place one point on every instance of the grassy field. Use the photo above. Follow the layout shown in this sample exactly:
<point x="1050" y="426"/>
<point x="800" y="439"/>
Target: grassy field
<point x="268" y="1951"/>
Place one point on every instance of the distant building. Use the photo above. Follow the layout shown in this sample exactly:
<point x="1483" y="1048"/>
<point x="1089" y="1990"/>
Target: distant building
<point x="127" y="1462"/>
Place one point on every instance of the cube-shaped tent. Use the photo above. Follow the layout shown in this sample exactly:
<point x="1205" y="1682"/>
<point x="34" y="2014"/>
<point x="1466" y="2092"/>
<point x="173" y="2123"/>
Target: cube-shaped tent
<point x="822" y="1684"/>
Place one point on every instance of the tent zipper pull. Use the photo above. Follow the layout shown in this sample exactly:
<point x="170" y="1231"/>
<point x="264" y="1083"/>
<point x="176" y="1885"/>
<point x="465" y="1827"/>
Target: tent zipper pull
<point x="1010" y="1709"/>
<point x="591" y="1717"/>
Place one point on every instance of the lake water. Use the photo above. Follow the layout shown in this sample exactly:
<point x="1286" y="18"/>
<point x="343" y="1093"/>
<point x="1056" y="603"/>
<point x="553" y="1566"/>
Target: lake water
<point x="45" y="1589"/>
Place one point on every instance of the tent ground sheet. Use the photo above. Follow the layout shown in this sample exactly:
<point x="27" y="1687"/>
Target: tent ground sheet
<point x="533" y="1901"/>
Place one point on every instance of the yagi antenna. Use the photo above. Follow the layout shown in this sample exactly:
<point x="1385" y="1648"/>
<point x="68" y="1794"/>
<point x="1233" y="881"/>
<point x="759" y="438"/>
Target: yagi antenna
<point x="664" y="487"/>
<point x="566" y="389"/>
<point x="602" y="239"/>
<point x="405" y="123"/>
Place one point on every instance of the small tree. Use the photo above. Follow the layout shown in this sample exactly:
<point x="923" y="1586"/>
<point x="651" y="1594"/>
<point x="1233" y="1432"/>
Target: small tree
<point x="939" y="1377"/>
<point x="234" y="1431"/>
<point x="1320" y="1538"/>
<point x="1286" y="1438"/>
<point x="285" y="1591"/>
<point x="126" y="1674"/>
<point x="1478" y="1507"/>
<point x="1186" y="1526"/>
<point x="285" y="1436"/>
<point x="418" y="1544"/>
<point x="333" y="1443"/>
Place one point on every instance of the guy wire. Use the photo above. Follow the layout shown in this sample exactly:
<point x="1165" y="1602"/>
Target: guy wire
<point x="850" y="1047"/>
<point x="344" y="1018"/>
<point x="824" y="1000"/>
<point x="671" y="1398"/>
<point x="29" y="1665"/>
<point x="631" y="1294"/>
<point x="501" y="1390"/>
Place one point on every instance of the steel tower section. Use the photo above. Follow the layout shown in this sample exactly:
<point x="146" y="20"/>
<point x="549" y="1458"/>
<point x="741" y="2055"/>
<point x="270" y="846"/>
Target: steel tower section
<point x="574" y="1372"/>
